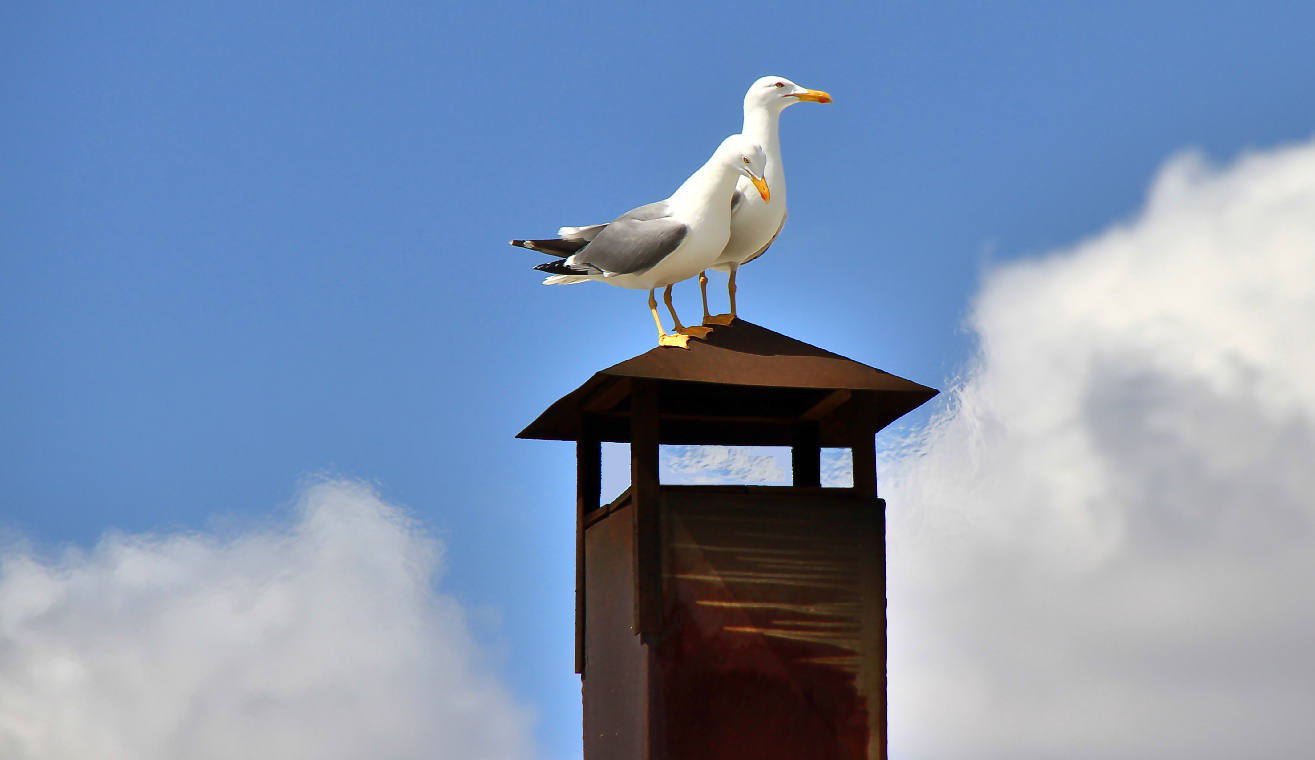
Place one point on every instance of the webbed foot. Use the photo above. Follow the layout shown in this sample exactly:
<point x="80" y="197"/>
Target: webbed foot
<point x="695" y="331"/>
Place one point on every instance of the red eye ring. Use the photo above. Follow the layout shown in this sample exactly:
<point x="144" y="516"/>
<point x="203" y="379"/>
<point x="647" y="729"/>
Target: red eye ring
<point x="779" y="84"/>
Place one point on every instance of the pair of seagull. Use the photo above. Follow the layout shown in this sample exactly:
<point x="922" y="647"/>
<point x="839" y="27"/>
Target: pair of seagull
<point x="727" y="213"/>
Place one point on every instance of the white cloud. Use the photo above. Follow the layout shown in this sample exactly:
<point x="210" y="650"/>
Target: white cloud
<point x="1105" y="547"/>
<point x="324" y="639"/>
<point x="721" y="465"/>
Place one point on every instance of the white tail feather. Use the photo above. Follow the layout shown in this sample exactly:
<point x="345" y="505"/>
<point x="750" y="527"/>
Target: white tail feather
<point x="566" y="279"/>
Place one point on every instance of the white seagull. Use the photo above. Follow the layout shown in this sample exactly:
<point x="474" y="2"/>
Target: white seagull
<point x="661" y="243"/>
<point x="755" y="224"/>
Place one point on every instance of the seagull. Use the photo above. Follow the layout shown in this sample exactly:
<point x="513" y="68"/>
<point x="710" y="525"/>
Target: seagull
<point x="755" y="225"/>
<point x="660" y="244"/>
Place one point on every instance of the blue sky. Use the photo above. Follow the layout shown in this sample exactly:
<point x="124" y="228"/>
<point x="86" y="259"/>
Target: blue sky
<point x="248" y="245"/>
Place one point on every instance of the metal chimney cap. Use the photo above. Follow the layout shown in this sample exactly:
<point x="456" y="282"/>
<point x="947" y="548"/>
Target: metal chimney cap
<point x="744" y="385"/>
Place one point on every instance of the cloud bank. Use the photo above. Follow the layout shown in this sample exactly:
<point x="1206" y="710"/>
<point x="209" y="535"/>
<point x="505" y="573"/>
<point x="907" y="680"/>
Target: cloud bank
<point x="324" y="639"/>
<point x="1105" y="546"/>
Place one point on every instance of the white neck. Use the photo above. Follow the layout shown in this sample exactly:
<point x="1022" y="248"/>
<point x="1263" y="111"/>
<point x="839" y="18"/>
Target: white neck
<point x="705" y="185"/>
<point x="763" y="126"/>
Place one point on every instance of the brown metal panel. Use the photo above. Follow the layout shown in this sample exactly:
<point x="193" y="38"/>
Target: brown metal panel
<point x="704" y="413"/>
<point x="612" y="392"/>
<point x="644" y="488"/>
<point x="863" y="446"/>
<point x="588" y="487"/>
<point x="877" y="609"/>
<point x="774" y="636"/>
<point x="825" y="406"/>
<point x="806" y="455"/>
<point x="616" y="688"/>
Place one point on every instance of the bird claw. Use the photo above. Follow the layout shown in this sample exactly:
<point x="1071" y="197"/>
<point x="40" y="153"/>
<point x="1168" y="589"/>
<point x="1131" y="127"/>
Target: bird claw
<point x="679" y="341"/>
<point x="719" y="319"/>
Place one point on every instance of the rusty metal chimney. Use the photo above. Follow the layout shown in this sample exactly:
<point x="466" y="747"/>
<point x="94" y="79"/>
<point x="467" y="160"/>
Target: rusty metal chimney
<point x="732" y="621"/>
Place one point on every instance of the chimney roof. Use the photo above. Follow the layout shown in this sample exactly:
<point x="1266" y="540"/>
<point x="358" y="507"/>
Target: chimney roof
<point x="744" y="385"/>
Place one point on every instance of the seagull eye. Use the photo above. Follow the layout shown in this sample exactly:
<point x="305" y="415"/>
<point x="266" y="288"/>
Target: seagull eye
<point x="779" y="84"/>
<point x="745" y="159"/>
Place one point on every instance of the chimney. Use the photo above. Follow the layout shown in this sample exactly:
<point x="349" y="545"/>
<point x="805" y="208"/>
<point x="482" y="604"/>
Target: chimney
<point x="732" y="621"/>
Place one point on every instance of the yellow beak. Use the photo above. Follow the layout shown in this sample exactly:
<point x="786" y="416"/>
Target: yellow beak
<point x="814" y="96"/>
<point x="763" y="190"/>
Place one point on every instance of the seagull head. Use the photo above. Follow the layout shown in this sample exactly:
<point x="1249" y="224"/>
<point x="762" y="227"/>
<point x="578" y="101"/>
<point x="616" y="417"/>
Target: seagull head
<point x="746" y="157"/>
<point x="775" y="93"/>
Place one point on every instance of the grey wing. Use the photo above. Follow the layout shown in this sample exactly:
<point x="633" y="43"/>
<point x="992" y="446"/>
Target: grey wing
<point x="635" y="242"/>
<point x="647" y="213"/>
<point x="581" y="234"/>
<point x="775" y="235"/>
<point x="737" y="198"/>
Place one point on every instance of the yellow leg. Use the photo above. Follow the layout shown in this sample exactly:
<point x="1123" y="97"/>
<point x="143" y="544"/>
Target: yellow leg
<point x="724" y="319"/>
<point x="679" y="341"/>
<point x="693" y="332"/>
<point x="730" y="287"/>
<point x="703" y="291"/>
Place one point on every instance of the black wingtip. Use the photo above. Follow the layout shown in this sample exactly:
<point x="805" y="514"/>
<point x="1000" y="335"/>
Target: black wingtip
<point x="559" y="267"/>
<point x="551" y="246"/>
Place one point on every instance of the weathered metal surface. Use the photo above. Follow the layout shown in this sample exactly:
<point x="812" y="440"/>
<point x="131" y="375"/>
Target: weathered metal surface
<point x="775" y="635"/>
<point x="617" y="663"/>
<point x="644" y="495"/>
<point x="745" y="385"/>
<point x="806" y="455"/>
<point x="864" y="451"/>
<point x="588" y="486"/>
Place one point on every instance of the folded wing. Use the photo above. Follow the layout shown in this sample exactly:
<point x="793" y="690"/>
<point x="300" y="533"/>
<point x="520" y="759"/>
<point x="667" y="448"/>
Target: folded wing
<point x="635" y="242"/>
